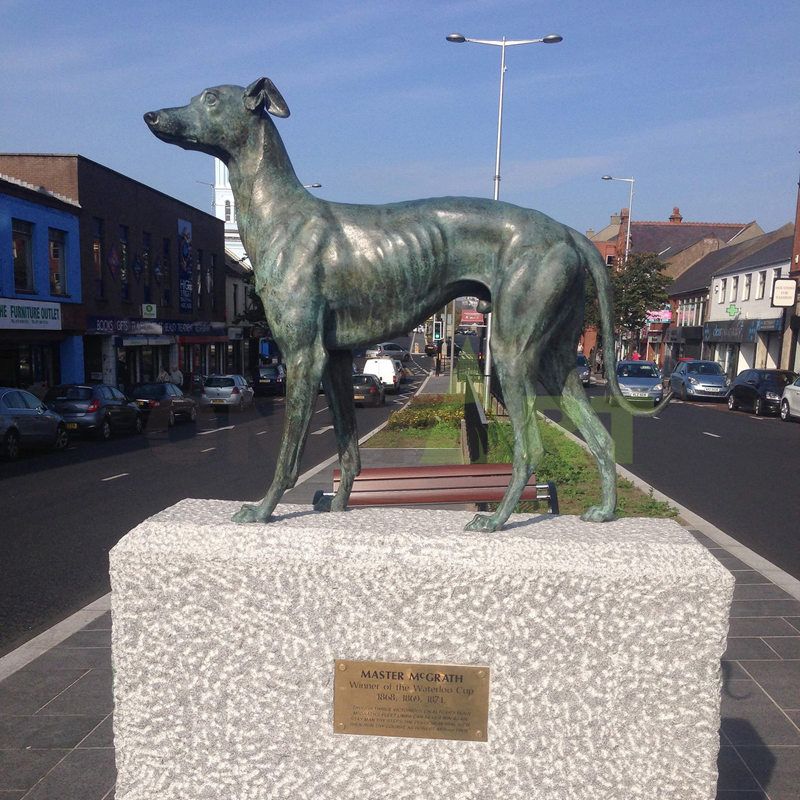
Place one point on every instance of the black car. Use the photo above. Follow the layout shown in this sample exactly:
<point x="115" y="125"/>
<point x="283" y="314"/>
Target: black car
<point x="271" y="379"/>
<point x="94" y="409"/>
<point x="368" y="390"/>
<point x="759" y="390"/>
<point x="164" y="402"/>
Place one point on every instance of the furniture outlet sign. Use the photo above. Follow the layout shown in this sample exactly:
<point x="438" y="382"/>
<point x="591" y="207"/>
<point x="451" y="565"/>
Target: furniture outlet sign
<point x="29" y="315"/>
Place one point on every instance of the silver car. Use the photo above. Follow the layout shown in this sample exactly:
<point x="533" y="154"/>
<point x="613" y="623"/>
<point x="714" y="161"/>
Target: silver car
<point x="226" y="391"/>
<point x="390" y="349"/>
<point x="26" y="421"/>
<point x="640" y="381"/>
<point x="790" y="401"/>
<point x="692" y="380"/>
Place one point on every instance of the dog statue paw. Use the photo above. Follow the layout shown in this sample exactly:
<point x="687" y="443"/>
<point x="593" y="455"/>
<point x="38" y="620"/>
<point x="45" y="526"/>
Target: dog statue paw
<point x="598" y="514"/>
<point x="482" y="523"/>
<point x="250" y="513"/>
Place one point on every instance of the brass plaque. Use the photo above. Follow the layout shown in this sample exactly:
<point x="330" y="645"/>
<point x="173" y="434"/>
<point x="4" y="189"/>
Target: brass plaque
<point x="422" y="701"/>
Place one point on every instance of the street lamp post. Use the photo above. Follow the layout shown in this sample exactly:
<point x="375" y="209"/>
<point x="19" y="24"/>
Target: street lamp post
<point x="631" y="181"/>
<point x="458" y="38"/>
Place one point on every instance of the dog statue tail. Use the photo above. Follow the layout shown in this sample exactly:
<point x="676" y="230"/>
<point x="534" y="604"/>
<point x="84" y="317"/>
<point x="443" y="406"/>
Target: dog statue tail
<point x="605" y="296"/>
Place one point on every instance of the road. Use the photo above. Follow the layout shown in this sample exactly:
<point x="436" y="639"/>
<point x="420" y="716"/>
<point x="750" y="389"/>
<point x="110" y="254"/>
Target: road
<point x="63" y="512"/>
<point x="732" y="468"/>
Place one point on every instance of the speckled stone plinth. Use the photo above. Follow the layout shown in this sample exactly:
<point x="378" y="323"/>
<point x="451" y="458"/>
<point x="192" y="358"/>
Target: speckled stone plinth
<point x="604" y="644"/>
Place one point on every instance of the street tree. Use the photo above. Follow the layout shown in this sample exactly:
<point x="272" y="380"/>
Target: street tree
<point x="639" y="286"/>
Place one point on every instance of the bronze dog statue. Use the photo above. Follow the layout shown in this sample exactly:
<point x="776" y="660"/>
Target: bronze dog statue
<point x="336" y="276"/>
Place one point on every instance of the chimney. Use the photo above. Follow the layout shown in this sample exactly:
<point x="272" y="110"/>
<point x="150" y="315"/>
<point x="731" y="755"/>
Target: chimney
<point x="615" y="220"/>
<point x="675" y="218"/>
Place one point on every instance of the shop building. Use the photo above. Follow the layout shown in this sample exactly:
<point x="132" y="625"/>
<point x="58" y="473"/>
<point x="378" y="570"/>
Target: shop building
<point x="744" y="330"/>
<point x="152" y="272"/>
<point x="41" y="316"/>
<point x="676" y="242"/>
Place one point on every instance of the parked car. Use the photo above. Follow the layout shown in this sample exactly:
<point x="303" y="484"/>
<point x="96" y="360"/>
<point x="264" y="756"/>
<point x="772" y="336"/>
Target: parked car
<point x="368" y="390"/>
<point x="790" y="401"/>
<point x="26" y="421"/>
<point x="226" y="391"/>
<point x="164" y="402"/>
<point x="271" y="379"/>
<point x="696" y="379"/>
<point x="760" y="390"/>
<point x="584" y="373"/>
<point x="639" y="381"/>
<point x="388" y="370"/>
<point x="94" y="409"/>
<point x="388" y="349"/>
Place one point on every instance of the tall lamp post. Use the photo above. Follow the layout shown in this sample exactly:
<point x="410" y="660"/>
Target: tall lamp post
<point x="458" y="38"/>
<point x="631" y="181"/>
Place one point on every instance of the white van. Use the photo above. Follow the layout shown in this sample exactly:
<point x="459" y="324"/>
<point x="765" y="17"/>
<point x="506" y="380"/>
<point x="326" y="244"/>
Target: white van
<point x="388" y="370"/>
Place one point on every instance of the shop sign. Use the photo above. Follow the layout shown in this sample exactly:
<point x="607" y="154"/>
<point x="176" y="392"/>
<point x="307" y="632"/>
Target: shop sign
<point x="740" y="330"/>
<point x="662" y="315"/>
<point x="234" y="334"/>
<point x="170" y="327"/>
<point x="149" y="311"/>
<point x="29" y="315"/>
<point x="471" y="317"/>
<point x="784" y="291"/>
<point x="185" y="265"/>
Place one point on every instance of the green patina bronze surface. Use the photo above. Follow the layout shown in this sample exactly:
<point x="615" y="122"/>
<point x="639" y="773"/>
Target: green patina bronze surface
<point x="336" y="276"/>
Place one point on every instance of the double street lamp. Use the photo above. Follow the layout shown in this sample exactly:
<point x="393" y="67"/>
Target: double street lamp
<point x="631" y="181"/>
<point x="458" y="38"/>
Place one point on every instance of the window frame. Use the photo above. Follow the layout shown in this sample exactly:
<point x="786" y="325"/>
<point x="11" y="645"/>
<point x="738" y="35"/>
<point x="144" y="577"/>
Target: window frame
<point x="22" y="231"/>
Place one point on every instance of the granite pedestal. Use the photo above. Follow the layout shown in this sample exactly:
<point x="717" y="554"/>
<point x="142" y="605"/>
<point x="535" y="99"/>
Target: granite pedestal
<point x="603" y="641"/>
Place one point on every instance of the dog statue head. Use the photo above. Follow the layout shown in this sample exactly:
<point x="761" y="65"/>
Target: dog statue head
<point x="218" y="120"/>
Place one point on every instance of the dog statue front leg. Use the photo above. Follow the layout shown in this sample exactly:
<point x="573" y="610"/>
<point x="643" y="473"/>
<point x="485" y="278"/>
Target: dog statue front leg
<point x="305" y="370"/>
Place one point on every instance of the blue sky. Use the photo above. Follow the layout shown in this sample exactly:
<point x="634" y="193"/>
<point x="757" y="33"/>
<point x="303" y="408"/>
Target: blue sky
<point x="698" y="101"/>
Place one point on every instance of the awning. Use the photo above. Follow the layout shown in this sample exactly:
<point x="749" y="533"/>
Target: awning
<point x="201" y="339"/>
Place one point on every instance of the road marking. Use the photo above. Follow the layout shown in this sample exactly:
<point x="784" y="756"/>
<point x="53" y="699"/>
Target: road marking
<point x="715" y="435"/>
<point x="321" y="410"/>
<point x="261" y="433"/>
<point x="114" y="477"/>
<point x="322" y="430"/>
<point x="656" y="417"/>
<point x="208" y="449"/>
<point x="217" y="430"/>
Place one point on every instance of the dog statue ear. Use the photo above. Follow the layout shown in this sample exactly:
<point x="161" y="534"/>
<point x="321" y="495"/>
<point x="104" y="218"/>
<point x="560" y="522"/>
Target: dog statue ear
<point x="264" y="91"/>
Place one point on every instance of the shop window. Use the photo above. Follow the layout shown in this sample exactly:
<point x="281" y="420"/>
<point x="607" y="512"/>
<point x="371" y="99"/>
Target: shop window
<point x="22" y="251"/>
<point x="124" y="265"/>
<point x="610" y="260"/>
<point x="58" y="276"/>
<point x="198" y="279"/>
<point x="776" y="273"/>
<point x="97" y="256"/>
<point x="210" y="281"/>
<point x="721" y="287"/>
<point x="734" y="288"/>
<point x="748" y="280"/>
<point x="147" y="244"/>
<point x="761" y="285"/>
<point x="166" y="272"/>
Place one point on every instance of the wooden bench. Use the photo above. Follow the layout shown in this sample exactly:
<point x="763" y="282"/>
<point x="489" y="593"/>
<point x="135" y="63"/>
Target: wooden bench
<point x="440" y="484"/>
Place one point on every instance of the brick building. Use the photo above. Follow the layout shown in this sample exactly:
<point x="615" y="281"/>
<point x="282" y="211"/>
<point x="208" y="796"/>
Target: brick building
<point x="152" y="267"/>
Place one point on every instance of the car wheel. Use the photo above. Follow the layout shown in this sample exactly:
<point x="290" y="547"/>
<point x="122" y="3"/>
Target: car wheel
<point x="684" y="394"/>
<point x="193" y="414"/>
<point x="732" y="404"/>
<point x="758" y="408"/>
<point x="785" y="415"/>
<point x="104" y="431"/>
<point x="138" y="425"/>
<point x="171" y="418"/>
<point x="62" y="438"/>
<point x="11" y="446"/>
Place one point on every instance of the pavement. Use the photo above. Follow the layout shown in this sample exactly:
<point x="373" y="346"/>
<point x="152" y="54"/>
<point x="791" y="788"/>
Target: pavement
<point x="56" y="705"/>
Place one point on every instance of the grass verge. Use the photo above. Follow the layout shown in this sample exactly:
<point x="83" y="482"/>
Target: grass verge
<point x="575" y="474"/>
<point x="432" y="420"/>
